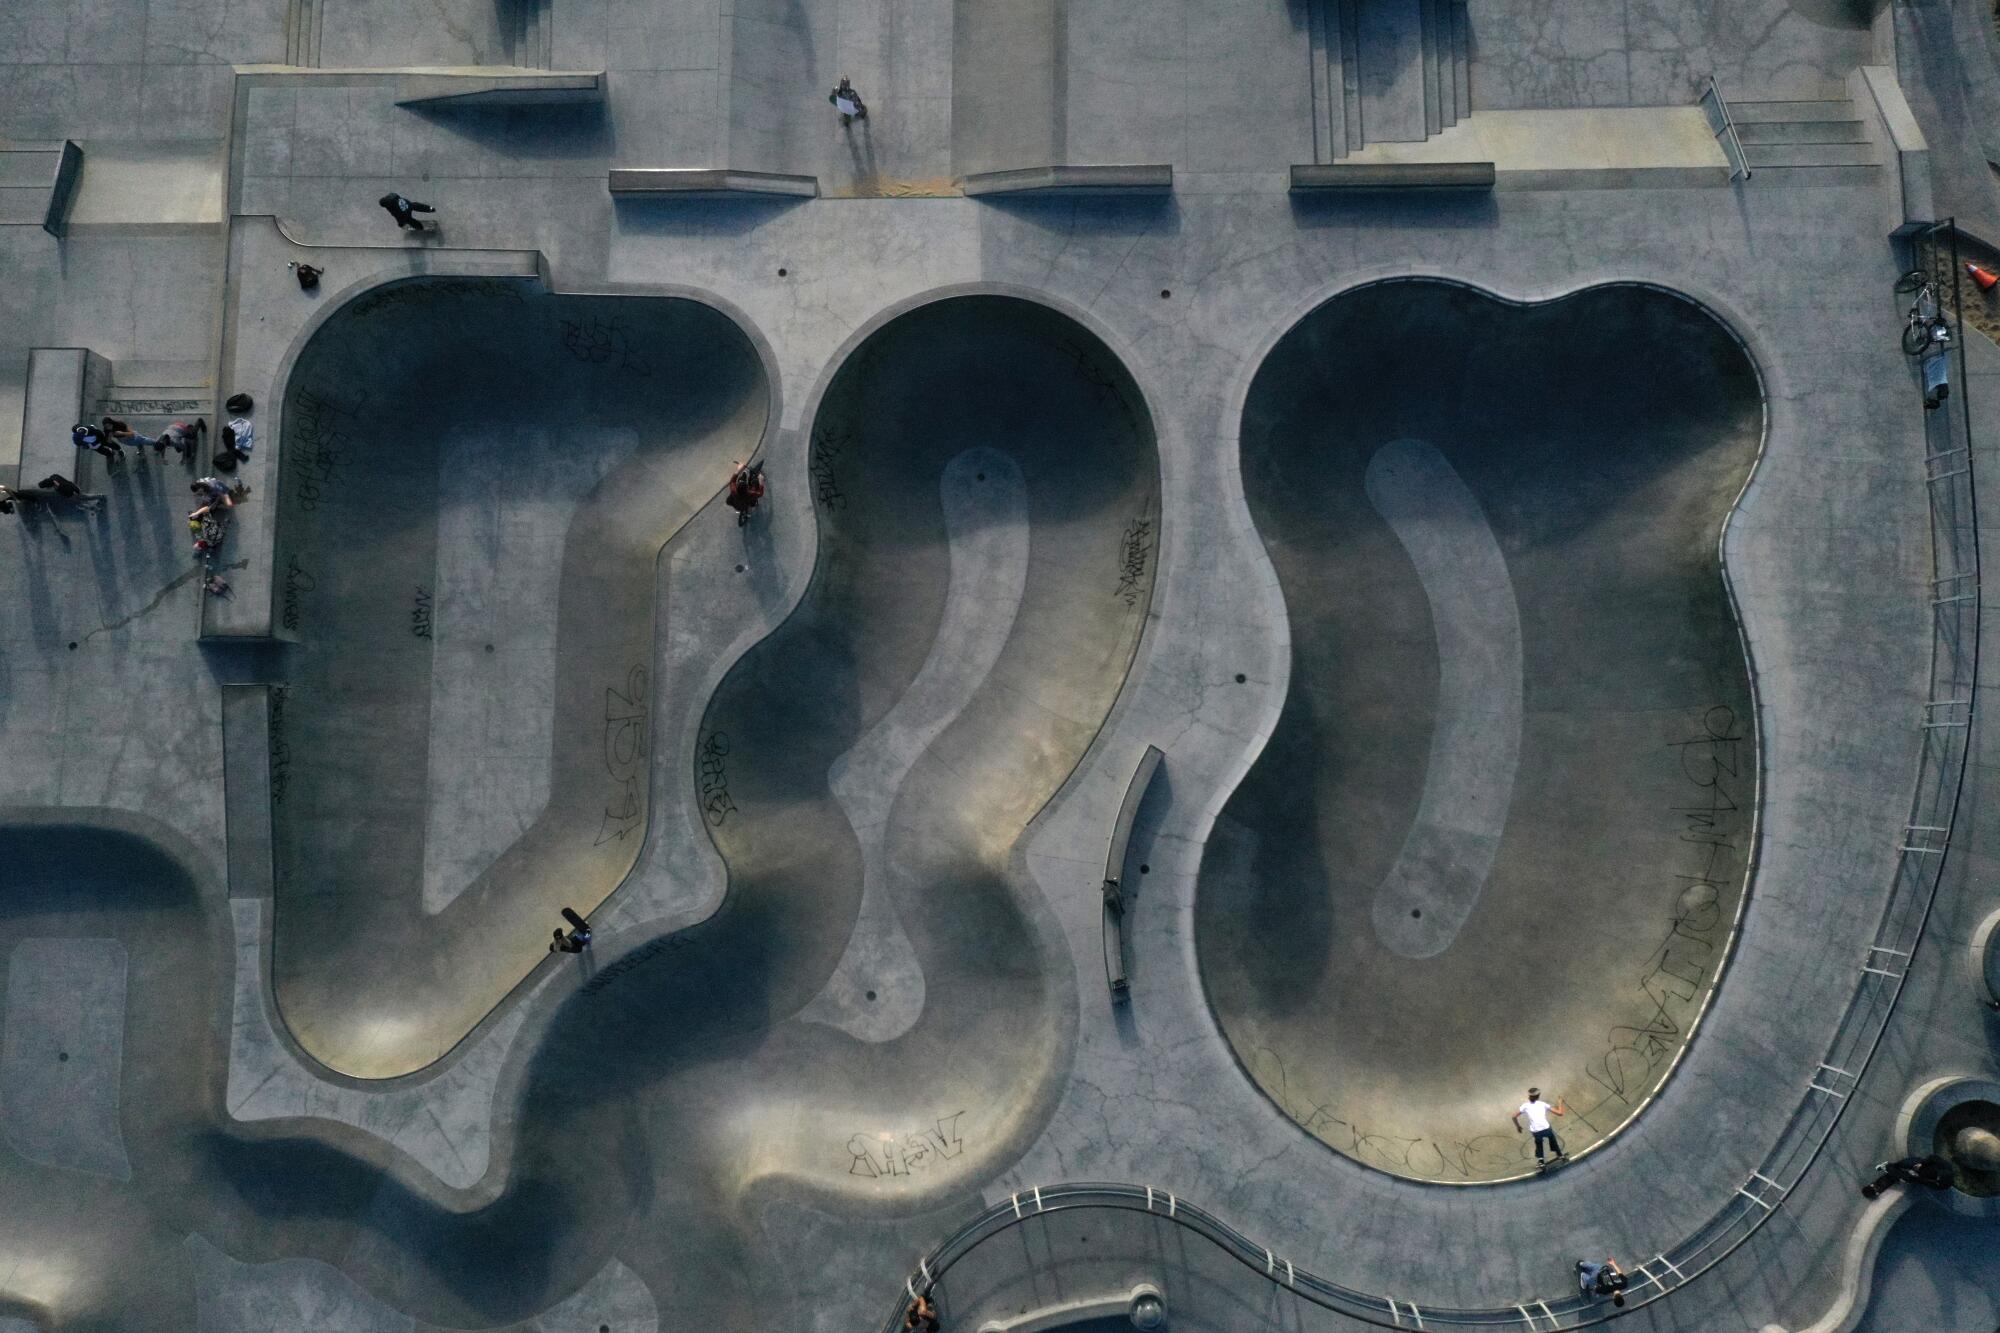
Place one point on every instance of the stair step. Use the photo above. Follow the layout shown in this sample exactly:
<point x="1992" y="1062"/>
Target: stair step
<point x="1427" y="25"/>
<point x="1810" y="154"/>
<point x="1792" y="175"/>
<point x="1461" y="60"/>
<point x="1802" y="131"/>
<point x="1744" y="113"/>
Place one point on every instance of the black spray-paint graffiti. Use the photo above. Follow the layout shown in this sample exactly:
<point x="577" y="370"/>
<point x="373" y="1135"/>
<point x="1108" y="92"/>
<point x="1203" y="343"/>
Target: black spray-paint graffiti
<point x="878" y="1155"/>
<point x="315" y="435"/>
<point x="420" y="615"/>
<point x="637" y="959"/>
<point x="1135" y="554"/>
<point x="280" y="747"/>
<point x="626" y="725"/>
<point x="712" y="771"/>
<point x="298" y="582"/>
<point x="425" y="295"/>
<point x="601" y="342"/>
<point x="826" y="452"/>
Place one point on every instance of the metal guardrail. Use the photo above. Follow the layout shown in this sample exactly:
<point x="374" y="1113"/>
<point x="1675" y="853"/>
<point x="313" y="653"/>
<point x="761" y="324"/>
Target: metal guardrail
<point x="1945" y="728"/>
<point x="1723" y="126"/>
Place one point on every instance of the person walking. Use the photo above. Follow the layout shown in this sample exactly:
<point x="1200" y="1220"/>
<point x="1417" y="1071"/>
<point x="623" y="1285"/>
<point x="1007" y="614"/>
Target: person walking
<point x="1932" y="1172"/>
<point x="1596" y="1281"/>
<point x="124" y="435"/>
<point x="565" y="943"/>
<point x="746" y="488"/>
<point x="1538" y="1112"/>
<point x="848" y="102"/>
<point x="401" y="210"/>
<point x="182" y="438"/>
<point x="66" y="489"/>
<point x="86" y="436"/>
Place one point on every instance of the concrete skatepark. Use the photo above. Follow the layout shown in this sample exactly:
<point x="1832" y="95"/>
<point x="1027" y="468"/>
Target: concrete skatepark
<point x="1324" y="563"/>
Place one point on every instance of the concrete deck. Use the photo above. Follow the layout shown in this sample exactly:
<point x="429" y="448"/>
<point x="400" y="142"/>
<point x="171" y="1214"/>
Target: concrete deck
<point x="282" y="1047"/>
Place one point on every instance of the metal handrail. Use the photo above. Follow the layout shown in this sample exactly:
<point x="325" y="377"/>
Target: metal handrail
<point x="1723" y="125"/>
<point x="1882" y="970"/>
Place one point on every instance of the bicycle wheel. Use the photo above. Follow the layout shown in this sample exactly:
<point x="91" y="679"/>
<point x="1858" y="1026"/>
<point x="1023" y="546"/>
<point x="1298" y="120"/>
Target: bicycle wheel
<point x="1916" y="337"/>
<point x="1910" y="281"/>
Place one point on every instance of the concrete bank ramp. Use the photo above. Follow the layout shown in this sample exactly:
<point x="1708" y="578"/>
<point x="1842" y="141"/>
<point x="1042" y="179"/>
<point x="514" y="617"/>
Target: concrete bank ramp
<point x="1499" y="836"/>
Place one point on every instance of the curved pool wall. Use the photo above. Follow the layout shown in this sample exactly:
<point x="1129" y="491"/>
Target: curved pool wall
<point x="478" y="481"/>
<point x="1501" y="833"/>
<point x="693" y="1088"/>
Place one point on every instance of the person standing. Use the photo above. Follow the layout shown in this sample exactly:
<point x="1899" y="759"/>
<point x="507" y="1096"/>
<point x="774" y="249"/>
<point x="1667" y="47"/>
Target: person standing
<point x="401" y="209"/>
<point x="848" y="102"/>
<point x="746" y="488"/>
<point x="1596" y="1281"/>
<point x="1932" y="1172"/>
<point x="1538" y="1112"/>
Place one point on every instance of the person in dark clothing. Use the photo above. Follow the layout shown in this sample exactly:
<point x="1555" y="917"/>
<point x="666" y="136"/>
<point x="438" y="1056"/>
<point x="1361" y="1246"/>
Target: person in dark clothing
<point x="746" y="488"/>
<point x="848" y="102"/>
<point x="86" y="436"/>
<point x="1597" y="1280"/>
<point x="1933" y="1172"/>
<point x="401" y="209"/>
<point x="68" y="490"/>
<point x="565" y="943"/>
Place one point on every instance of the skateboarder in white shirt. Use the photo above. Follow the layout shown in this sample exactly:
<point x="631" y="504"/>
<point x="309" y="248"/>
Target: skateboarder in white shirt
<point x="1538" y="1112"/>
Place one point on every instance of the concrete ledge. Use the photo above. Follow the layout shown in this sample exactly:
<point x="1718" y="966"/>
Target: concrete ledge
<point x="254" y="755"/>
<point x="1393" y="176"/>
<point x="69" y="168"/>
<point x="1879" y="97"/>
<point x="63" y="384"/>
<point x="709" y="183"/>
<point x="1114" y="871"/>
<point x="1617" y="178"/>
<point x="1072" y="181"/>
<point x="491" y="87"/>
<point x="1142" y="1305"/>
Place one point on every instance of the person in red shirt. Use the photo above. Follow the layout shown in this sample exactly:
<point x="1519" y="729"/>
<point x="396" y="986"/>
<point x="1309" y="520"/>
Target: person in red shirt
<point x="746" y="488"/>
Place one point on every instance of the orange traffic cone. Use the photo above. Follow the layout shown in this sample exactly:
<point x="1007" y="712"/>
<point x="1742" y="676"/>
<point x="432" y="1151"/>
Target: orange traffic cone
<point x="1985" y="277"/>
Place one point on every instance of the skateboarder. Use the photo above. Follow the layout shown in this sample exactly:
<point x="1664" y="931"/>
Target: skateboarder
<point x="1933" y="1171"/>
<point x="401" y="209"/>
<point x="1538" y="1112"/>
<point x="1596" y="1281"/>
<point x="746" y="488"/>
<point x="848" y="102"/>
<point x="579" y="935"/>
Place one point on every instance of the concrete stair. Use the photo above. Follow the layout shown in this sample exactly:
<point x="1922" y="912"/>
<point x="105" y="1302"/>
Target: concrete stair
<point x="1346" y="38"/>
<point x="1805" y="142"/>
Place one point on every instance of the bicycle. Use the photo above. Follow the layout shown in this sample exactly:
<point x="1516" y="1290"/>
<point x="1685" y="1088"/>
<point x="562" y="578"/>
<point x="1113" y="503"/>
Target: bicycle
<point x="1925" y="326"/>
